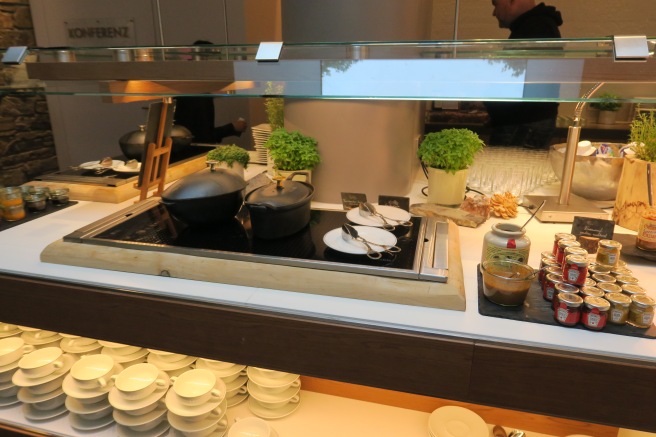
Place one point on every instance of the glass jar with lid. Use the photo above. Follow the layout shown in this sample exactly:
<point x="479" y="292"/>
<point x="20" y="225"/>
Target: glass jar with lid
<point x="632" y="289"/>
<point x="562" y="287"/>
<point x="575" y="269"/>
<point x="594" y="312"/>
<point x="568" y="311"/>
<point x="641" y="311"/>
<point x="608" y="253"/>
<point x="562" y="246"/>
<point x="646" y="238"/>
<point x="619" y="308"/>
<point x="609" y="287"/>
<point x="561" y="236"/>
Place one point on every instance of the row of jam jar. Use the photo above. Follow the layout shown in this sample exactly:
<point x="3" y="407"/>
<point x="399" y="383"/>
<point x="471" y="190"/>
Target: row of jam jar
<point x="594" y="293"/>
<point x="15" y="201"/>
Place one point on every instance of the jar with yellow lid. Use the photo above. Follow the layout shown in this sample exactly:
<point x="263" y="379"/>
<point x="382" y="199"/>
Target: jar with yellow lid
<point x="608" y="253"/>
<point x="646" y="238"/>
<point x="641" y="311"/>
<point x="595" y="312"/>
<point x="609" y="287"/>
<point x="619" y="308"/>
<point x="632" y="289"/>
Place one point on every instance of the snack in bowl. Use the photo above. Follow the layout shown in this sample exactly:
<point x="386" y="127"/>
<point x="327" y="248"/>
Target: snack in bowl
<point x="506" y="282"/>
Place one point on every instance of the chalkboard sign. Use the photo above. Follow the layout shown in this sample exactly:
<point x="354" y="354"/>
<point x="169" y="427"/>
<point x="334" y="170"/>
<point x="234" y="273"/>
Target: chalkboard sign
<point x="590" y="227"/>
<point x="352" y="200"/>
<point x="395" y="201"/>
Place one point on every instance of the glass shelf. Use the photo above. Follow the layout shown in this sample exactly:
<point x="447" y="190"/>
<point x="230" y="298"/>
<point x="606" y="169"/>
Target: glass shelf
<point x="514" y="70"/>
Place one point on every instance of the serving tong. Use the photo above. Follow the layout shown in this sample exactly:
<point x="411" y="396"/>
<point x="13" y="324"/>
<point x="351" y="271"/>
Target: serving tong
<point x="368" y="210"/>
<point x="349" y="233"/>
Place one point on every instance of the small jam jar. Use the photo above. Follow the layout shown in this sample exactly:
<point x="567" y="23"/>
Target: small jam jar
<point x="603" y="277"/>
<point x="591" y="291"/>
<point x="589" y="282"/>
<point x="562" y="287"/>
<point x="626" y="280"/>
<point x="608" y="253"/>
<point x="568" y="312"/>
<point x="621" y="271"/>
<point x="562" y="245"/>
<point x="35" y="202"/>
<point x="641" y="311"/>
<point x="59" y="196"/>
<point x="576" y="250"/>
<point x="646" y="238"/>
<point x="549" y="285"/>
<point x="595" y="312"/>
<point x="542" y="274"/>
<point x="619" y="308"/>
<point x="609" y="287"/>
<point x="561" y="236"/>
<point x="598" y="268"/>
<point x="575" y="269"/>
<point x="632" y="290"/>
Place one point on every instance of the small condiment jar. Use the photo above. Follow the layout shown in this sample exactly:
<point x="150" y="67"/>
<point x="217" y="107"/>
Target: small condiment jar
<point x="11" y="196"/>
<point x="621" y="271"/>
<point x="562" y="287"/>
<point x="549" y="285"/>
<point x="562" y="245"/>
<point x="26" y="190"/>
<point x="626" y="280"/>
<point x="547" y="255"/>
<point x="594" y="312"/>
<point x="591" y="291"/>
<point x="561" y="236"/>
<point x="646" y="238"/>
<point x="603" y="277"/>
<point x="589" y="282"/>
<point x="641" y="311"/>
<point x="619" y="308"/>
<point x="632" y="290"/>
<point x="575" y="269"/>
<point x="543" y="272"/>
<point x="35" y="202"/>
<point x="598" y="268"/>
<point x="576" y="250"/>
<point x="14" y="212"/>
<point x="608" y="253"/>
<point x="609" y="287"/>
<point x="506" y="241"/>
<point x="568" y="312"/>
<point x="59" y="196"/>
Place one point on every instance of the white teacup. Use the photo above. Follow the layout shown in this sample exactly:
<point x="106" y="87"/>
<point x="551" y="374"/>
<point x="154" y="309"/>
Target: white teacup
<point x="167" y="357"/>
<point x="7" y="327"/>
<point x="41" y="362"/>
<point x="139" y="381"/>
<point x="279" y="389"/>
<point x="97" y="414"/>
<point x="270" y="373"/>
<point x="147" y="408"/>
<point x="240" y="390"/>
<point x="39" y="334"/>
<point x="198" y="386"/>
<point x="274" y="405"/>
<point x="217" y="365"/>
<point x="93" y="371"/>
<point x="12" y="349"/>
<point x="250" y="427"/>
<point x="46" y="387"/>
<point x="229" y="378"/>
<point x="74" y="342"/>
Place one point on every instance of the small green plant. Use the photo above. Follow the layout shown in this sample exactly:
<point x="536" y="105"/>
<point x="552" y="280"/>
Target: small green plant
<point x="643" y="135"/>
<point x="229" y="154"/>
<point x="450" y="149"/>
<point x="291" y="151"/>
<point x="609" y="103"/>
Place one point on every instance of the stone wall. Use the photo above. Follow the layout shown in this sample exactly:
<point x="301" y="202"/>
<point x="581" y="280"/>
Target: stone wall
<point x="27" y="147"/>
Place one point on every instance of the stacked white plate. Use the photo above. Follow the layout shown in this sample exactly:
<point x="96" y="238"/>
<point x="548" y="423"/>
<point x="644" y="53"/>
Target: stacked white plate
<point x="40" y="375"/>
<point x="9" y="330"/>
<point x="40" y="338"/>
<point x="87" y="388"/>
<point x="233" y="375"/>
<point x="453" y="421"/>
<point x="171" y="363"/>
<point x="123" y="354"/>
<point x="261" y="134"/>
<point x="273" y="394"/>
<point x="76" y="345"/>
<point x="12" y="350"/>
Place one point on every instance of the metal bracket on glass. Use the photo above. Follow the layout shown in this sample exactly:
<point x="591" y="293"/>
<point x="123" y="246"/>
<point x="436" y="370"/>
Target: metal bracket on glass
<point x="630" y="48"/>
<point x="14" y="55"/>
<point x="269" y="52"/>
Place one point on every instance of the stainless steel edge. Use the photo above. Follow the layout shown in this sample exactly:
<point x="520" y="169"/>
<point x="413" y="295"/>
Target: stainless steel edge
<point x="435" y="258"/>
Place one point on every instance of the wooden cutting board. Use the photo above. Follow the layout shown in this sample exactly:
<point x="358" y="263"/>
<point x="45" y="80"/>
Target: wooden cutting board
<point x="450" y="295"/>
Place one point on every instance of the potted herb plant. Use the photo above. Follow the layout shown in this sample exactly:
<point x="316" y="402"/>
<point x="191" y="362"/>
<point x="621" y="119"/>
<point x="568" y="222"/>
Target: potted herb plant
<point x="292" y="151"/>
<point x="231" y="157"/>
<point x="608" y="107"/>
<point x="448" y="154"/>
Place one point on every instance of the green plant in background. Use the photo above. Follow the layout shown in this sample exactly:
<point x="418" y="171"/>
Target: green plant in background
<point x="643" y="135"/>
<point x="229" y="154"/>
<point x="274" y="106"/>
<point x="292" y="150"/>
<point x="609" y="102"/>
<point x="450" y="150"/>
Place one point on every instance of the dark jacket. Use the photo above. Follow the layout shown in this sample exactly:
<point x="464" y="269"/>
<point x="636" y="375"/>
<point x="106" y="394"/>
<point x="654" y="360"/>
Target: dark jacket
<point x="197" y="115"/>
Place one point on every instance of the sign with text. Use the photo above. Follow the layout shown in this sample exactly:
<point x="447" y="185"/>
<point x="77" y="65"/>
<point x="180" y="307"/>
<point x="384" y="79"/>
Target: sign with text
<point x="352" y="200"/>
<point x="98" y="32"/>
<point x="585" y="226"/>
<point x="395" y="201"/>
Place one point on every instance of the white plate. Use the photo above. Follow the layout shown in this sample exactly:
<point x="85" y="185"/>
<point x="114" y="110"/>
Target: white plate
<point x="86" y="349"/>
<point x="9" y="367"/>
<point x="453" y="421"/>
<point x="264" y="396"/>
<point x="32" y="413"/>
<point x="390" y="212"/>
<point x="21" y="380"/>
<point x="30" y="339"/>
<point x="11" y="400"/>
<point x="265" y="381"/>
<point x="124" y="358"/>
<point x="82" y="424"/>
<point x="237" y="399"/>
<point x="269" y="413"/>
<point x="334" y="240"/>
<point x="5" y="334"/>
<point x="166" y="366"/>
<point x="176" y="407"/>
<point x="92" y="165"/>
<point x="221" y="373"/>
<point x="127" y="169"/>
<point x="77" y="407"/>
<point x="118" y="401"/>
<point x="25" y="396"/>
<point x="161" y="429"/>
<point x="233" y="385"/>
<point x="125" y="419"/>
<point x="71" y="388"/>
<point x="183" y="425"/>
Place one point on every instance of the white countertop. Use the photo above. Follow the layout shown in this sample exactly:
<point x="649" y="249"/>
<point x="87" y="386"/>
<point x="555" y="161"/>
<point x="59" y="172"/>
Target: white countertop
<point x="21" y="246"/>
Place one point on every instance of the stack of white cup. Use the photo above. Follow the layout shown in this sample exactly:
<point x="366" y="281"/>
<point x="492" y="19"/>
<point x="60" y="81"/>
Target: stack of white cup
<point x="40" y="338"/>
<point x="76" y="345"/>
<point x="12" y="350"/>
<point x="173" y="364"/>
<point x="40" y="375"/>
<point x="123" y="354"/>
<point x="251" y="427"/>
<point x="87" y="387"/>
<point x="233" y="375"/>
<point x="9" y="330"/>
<point x="273" y="394"/>
<point x="197" y="404"/>
<point x="138" y="400"/>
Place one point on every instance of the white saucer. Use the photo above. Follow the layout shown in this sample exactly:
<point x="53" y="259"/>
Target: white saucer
<point x="264" y="381"/>
<point x="82" y="424"/>
<point x="75" y="406"/>
<point x="29" y="338"/>
<point x="161" y="429"/>
<point x="264" y="396"/>
<point x="334" y="240"/>
<point x="9" y="367"/>
<point x="11" y="333"/>
<point x="92" y="165"/>
<point x="221" y="373"/>
<point x="390" y="212"/>
<point x="5" y="385"/>
<point x="85" y="349"/>
<point x="10" y="391"/>
<point x="183" y="425"/>
<point x="270" y="413"/>
<point x="166" y="366"/>
<point x="11" y="400"/>
<point x="118" y="401"/>
<point x="21" y="380"/>
<point x="237" y="399"/>
<point x="232" y="385"/>
<point x="124" y="358"/>
<point x="70" y="387"/>
<point x="32" y="413"/>
<point x="126" y="169"/>
<point x="176" y="407"/>
<point x="26" y="397"/>
<point x="6" y="376"/>
<point x="175" y="433"/>
<point x="125" y="419"/>
<point x="454" y="421"/>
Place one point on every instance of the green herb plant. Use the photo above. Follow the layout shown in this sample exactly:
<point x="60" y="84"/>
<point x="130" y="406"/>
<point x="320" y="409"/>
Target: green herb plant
<point x="229" y="154"/>
<point x="608" y="103"/>
<point x="450" y="150"/>
<point x="292" y="151"/>
<point x="643" y="135"/>
<point x="274" y="106"/>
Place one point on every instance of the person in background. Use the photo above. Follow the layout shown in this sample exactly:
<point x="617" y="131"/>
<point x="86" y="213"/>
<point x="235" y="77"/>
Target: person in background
<point x="197" y="115"/>
<point x="526" y="124"/>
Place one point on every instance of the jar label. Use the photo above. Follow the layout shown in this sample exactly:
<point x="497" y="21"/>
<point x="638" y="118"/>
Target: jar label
<point x="647" y="318"/>
<point x="616" y="315"/>
<point x="562" y="314"/>
<point x="593" y="320"/>
<point x="572" y="274"/>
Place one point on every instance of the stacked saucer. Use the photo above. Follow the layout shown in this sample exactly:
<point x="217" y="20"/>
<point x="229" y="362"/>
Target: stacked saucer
<point x="233" y="375"/>
<point x="74" y="344"/>
<point x="40" y="338"/>
<point x="123" y="354"/>
<point x="453" y="420"/>
<point x="273" y="394"/>
<point x="197" y="404"/>
<point x="12" y="350"/>
<point x="138" y="401"/>
<point x="171" y="363"/>
<point x="251" y="427"/>
<point x="261" y="134"/>
<point x="9" y="330"/>
<point x="40" y="375"/>
<point x="87" y="387"/>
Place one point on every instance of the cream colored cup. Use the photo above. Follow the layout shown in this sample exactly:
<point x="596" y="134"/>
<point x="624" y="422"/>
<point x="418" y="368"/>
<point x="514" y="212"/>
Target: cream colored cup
<point x="279" y="404"/>
<point x="241" y="390"/>
<point x="97" y="414"/>
<point x="41" y="362"/>
<point x="198" y="386"/>
<point x="93" y="371"/>
<point x="7" y="327"/>
<point x="219" y="426"/>
<point x="40" y="334"/>
<point x="250" y="427"/>
<point x="218" y="365"/>
<point x="229" y="378"/>
<point x="139" y="381"/>
<point x="78" y="341"/>
<point x="279" y="389"/>
<point x="12" y="349"/>
<point x="269" y="373"/>
<point x="167" y="357"/>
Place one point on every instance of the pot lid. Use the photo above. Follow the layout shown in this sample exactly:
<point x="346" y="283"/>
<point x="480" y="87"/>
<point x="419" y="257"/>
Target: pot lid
<point x="206" y="184"/>
<point x="282" y="193"/>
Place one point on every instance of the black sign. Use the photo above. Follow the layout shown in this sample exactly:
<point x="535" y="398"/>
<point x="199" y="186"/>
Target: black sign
<point x="352" y="200"/>
<point x="586" y="226"/>
<point x="395" y="201"/>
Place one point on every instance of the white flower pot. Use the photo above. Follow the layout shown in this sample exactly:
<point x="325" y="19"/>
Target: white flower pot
<point x="607" y="117"/>
<point x="447" y="189"/>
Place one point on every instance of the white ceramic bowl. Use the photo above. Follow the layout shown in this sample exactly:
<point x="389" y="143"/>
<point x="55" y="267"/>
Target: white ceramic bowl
<point x="12" y="349"/>
<point x="41" y="362"/>
<point x="93" y="371"/>
<point x="139" y="381"/>
<point x="250" y="427"/>
<point x="167" y="357"/>
<point x="197" y="386"/>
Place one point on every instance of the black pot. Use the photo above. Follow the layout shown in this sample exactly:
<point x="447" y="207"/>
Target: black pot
<point x="205" y="198"/>
<point x="133" y="143"/>
<point x="280" y="209"/>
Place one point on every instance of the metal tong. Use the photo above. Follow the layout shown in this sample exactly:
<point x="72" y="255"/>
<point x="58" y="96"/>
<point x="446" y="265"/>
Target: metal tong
<point x="349" y="233"/>
<point x="367" y="209"/>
